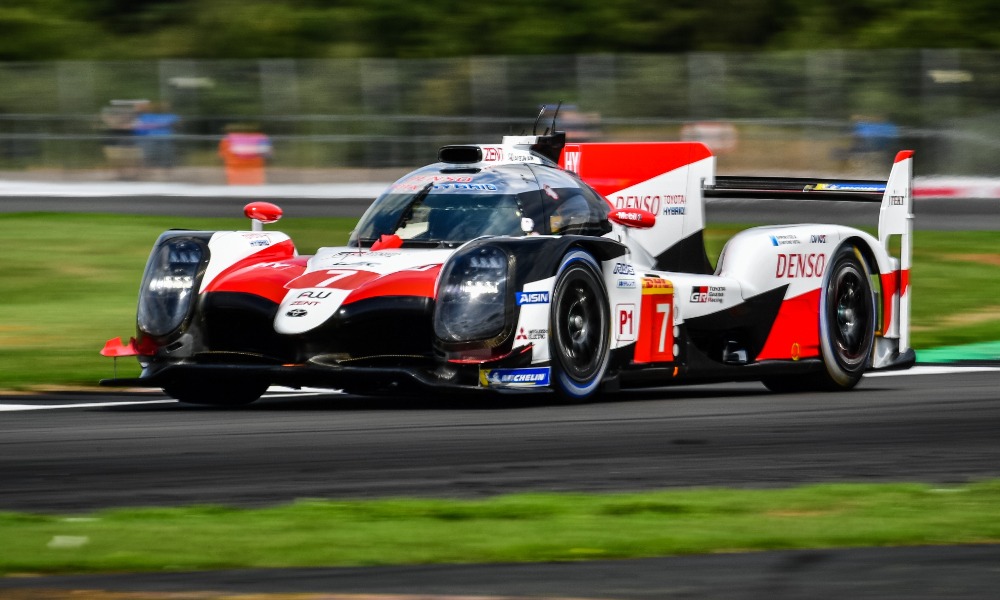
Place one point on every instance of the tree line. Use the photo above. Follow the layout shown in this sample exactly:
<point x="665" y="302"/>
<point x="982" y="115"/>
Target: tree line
<point x="33" y="30"/>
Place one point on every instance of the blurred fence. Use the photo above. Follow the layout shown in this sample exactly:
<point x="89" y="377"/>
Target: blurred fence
<point x="831" y="111"/>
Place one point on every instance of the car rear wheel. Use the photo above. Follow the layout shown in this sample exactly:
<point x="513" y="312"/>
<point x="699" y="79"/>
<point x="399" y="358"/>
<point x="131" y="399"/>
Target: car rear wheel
<point x="580" y="327"/>
<point x="847" y="324"/>
<point x="216" y="393"/>
<point x="847" y="320"/>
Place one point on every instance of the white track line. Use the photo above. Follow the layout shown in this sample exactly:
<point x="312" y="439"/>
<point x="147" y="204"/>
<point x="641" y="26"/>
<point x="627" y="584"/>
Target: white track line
<point x="932" y="370"/>
<point x="17" y="407"/>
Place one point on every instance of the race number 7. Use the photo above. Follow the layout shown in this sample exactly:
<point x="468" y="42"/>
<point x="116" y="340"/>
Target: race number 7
<point x="664" y="310"/>
<point x="337" y="275"/>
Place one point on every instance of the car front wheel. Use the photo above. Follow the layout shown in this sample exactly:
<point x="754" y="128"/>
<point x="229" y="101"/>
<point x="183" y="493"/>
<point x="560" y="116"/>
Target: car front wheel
<point x="580" y="327"/>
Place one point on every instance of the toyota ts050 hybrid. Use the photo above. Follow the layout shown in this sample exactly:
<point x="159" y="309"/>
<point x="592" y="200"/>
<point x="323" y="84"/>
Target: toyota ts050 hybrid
<point x="534" y="265"/>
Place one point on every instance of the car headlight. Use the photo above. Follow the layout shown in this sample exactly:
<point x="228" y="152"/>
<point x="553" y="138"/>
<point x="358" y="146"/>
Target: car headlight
<point x="168" y="285"/>
<point x="472" y="302"/>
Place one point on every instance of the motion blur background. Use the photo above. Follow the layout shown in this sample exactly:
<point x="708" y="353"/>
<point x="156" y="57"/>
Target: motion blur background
<point x="773" y="86"/>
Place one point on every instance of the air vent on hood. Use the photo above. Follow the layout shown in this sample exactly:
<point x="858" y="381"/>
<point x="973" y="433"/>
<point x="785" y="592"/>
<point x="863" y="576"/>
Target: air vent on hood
<point x="460" y="154"/>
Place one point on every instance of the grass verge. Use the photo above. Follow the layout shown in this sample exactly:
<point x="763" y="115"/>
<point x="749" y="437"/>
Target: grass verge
<point x="515" y="528"/>
<point x="70" y="282"/>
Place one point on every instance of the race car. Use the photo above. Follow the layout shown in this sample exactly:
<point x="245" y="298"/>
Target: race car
<point x="534" y="265"/>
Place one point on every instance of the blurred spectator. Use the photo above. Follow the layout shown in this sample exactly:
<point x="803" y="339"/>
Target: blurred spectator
<point x="120" y="149"/>
<point x="872" y="139"/>
<point x="154" y="129"/>
<point x="873" y="135"/>
<point x="244" y="152"/>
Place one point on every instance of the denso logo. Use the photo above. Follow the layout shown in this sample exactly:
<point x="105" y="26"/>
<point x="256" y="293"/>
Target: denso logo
<point x="532" y="298"/>
<point x="650" y="203"/>
<point x="792" y="266"/>
<point x="623" y="269"/>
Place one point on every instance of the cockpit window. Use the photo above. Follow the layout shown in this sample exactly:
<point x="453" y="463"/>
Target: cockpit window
<point x="440" y="207"/>
<point x="572" y="206"/>
<point x="435" y="217"/>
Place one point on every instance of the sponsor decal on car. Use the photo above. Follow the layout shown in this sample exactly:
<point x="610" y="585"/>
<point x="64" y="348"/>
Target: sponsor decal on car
<point x="627" y="283"/>
<point x="656" y="285"/>
<point x="846" y="187"/>
<point x="532" y="298"/>
<point x="623" y="269"/>
<point x="297" y="312"/>
<point x="538" y="376"/>
<point x="531" y="334"/>
<point x="784" y="240"/>
<point x="798" y="265"/>
<point x="467" y="187"/>
<point x="817" y="239"/>
<point x="707" y="294"/>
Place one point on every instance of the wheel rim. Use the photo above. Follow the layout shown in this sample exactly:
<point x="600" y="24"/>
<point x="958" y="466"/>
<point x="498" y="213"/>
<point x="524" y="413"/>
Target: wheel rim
<point x="850" y="316"/>
<point x="579" y="329"/>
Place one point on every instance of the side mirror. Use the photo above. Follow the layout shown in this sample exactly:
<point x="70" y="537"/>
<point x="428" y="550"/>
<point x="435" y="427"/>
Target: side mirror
<point x="635" y="218"/>
<point x="262" y="213"/>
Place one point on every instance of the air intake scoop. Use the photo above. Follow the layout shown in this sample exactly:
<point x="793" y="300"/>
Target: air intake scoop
<point x="465" y="155"/>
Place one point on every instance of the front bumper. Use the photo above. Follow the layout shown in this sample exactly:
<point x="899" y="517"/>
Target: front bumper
<point x="373" y="380"/>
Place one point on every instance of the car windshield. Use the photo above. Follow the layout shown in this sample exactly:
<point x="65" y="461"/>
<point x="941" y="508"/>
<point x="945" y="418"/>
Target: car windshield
<point x="435" y="215"/>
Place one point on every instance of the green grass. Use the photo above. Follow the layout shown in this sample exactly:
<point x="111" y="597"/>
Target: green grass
<point x="70" y="281"/>
<point x="516" y="528"/>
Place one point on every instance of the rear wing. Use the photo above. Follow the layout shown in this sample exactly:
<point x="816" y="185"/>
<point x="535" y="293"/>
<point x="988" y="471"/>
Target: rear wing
<point x="895" y="216"/>
<point x="796" y="187"/>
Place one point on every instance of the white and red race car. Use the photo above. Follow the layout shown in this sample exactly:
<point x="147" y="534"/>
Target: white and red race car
<point x="533" y="265"/>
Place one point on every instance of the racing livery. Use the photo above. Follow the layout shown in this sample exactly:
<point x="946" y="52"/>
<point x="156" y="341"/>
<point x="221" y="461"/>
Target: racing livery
<point x="534" y="265"/>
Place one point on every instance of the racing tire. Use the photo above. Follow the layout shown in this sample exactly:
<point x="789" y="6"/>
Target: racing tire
<point x="581" y="327"/>
<point x="847" y="321"/>
<point x="230" y="393"/>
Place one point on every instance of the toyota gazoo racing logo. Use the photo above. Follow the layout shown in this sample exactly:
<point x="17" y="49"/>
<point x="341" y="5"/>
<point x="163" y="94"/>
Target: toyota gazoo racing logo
<point x="707" y="293"/>
<point x="538" y="376"/>
<point x="532" y="298"/>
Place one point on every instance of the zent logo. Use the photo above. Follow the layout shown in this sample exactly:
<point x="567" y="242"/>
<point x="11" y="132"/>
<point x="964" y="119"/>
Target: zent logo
<point x="532" y="298"/>
<point x="492" y="154"/>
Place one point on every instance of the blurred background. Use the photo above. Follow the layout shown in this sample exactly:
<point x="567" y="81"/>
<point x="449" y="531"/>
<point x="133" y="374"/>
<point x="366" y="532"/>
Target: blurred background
<point x="363" y="90"/>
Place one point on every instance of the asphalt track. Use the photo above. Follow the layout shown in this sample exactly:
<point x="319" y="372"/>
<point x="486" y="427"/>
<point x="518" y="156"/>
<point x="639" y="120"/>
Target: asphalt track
<point x="76" y="452"/>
